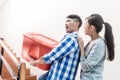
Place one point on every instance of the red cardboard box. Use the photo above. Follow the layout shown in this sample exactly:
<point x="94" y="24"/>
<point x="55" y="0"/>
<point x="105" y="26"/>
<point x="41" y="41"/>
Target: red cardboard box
<point x="35" y="46"/>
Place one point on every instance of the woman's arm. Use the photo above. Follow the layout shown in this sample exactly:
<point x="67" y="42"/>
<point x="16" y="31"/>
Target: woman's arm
<point x="81" y="44"/>
<point x="96" y="54"/>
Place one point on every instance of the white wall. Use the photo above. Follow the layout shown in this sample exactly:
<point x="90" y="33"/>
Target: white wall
<point x="48" y="16"/>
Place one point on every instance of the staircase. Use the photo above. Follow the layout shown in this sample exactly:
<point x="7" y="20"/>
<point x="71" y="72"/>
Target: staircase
<point x="10" y="66"/>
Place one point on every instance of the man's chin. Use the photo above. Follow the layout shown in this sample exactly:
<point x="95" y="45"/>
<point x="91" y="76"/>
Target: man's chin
<point x="67" y="31"/>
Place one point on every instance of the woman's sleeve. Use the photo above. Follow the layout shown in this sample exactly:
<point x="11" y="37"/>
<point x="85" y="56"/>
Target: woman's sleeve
<point x="96" y="54"/>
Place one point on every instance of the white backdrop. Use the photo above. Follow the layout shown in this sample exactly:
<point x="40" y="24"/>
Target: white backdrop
<point x="48" y="17"/>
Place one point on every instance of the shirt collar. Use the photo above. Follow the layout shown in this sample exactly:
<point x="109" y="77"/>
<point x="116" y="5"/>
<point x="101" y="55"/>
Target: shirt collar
<point x="73" y="34"/>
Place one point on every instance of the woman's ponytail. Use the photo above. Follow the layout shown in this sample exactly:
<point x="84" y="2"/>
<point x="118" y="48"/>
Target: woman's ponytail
<point x="109" y="41"/>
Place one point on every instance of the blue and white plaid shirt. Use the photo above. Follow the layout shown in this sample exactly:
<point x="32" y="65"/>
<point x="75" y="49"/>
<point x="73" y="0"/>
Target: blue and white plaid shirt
<point x="64" y="59"/>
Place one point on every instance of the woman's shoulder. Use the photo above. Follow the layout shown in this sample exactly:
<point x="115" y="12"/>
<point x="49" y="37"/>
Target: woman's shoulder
<point x="100" y="41"/>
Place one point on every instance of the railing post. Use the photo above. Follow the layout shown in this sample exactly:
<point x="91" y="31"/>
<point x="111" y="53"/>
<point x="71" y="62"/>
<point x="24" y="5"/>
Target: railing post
<point x="1" y="52"/>
<point x="21" y="71"/>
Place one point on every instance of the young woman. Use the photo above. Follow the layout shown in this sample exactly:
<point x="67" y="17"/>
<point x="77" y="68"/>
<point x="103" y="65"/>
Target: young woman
<point x="94" y="54"/>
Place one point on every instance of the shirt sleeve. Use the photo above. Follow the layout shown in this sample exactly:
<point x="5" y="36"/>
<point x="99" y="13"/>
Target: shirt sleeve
<point x="96" y="54"/>
<point x="64" y="48"/>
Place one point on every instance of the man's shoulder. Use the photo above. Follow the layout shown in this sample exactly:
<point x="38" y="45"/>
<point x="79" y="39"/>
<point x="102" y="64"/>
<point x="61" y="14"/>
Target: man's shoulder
<point x="73" y="35"/>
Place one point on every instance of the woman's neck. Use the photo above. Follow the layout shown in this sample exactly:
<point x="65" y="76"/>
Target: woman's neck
<point x="94" y="37"/>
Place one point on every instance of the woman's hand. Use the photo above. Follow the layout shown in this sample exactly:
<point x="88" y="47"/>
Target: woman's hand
<point x="81" y="44"/>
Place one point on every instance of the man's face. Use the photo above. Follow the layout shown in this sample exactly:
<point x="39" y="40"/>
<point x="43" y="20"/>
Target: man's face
<point x="70" y="25"/>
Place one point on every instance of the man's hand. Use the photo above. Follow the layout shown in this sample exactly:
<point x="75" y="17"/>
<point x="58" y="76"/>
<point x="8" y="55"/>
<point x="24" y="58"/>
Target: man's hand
<point x="38" y="61"/>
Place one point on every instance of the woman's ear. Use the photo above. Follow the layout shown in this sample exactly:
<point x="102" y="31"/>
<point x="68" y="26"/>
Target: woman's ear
<point x="92" y="27"/>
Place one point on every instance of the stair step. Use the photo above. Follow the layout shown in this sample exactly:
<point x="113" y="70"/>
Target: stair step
<point x="6" y="74"/>
<point x="32" y="77"/>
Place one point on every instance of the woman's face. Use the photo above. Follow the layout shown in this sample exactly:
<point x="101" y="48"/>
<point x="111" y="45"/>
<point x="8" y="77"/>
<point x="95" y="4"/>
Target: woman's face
<point x="87" y="28"/>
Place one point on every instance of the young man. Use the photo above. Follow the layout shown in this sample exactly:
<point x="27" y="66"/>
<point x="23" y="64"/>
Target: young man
<point x="64" y="59"/>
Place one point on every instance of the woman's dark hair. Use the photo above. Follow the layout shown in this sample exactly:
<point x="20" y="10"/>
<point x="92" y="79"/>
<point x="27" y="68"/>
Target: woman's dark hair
<point x="77" y="18"/>
<point x="97" y="21"/>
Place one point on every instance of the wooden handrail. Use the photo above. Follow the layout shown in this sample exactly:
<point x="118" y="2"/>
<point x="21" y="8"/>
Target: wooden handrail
<point x="9" y="53"/>
<point x="12" y="57"/>
<point x="17" y="73"/>
<point x="8" y="66"/>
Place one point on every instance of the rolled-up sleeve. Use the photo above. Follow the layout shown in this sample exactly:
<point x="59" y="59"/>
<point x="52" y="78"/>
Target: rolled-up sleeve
<point x="64" y="48"/>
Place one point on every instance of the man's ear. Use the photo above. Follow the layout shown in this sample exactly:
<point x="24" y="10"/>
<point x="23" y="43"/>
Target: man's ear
<point x="77" y="23"/>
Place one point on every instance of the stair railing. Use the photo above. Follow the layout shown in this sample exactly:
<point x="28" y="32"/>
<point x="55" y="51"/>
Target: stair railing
<point x="21" y="66"/>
